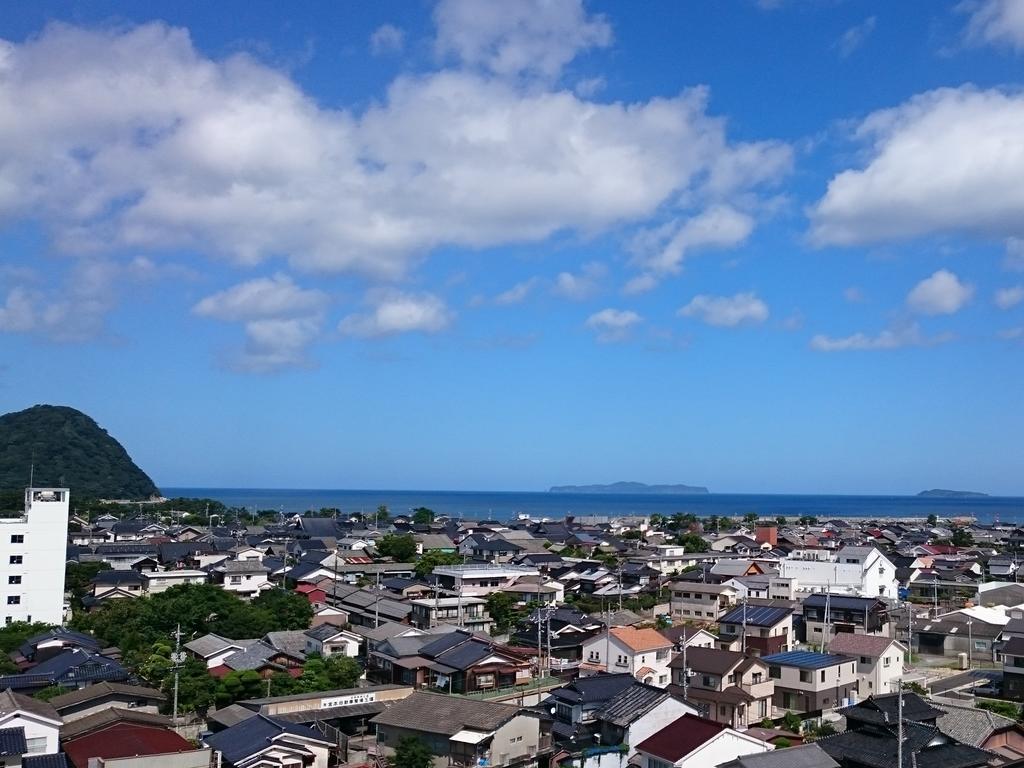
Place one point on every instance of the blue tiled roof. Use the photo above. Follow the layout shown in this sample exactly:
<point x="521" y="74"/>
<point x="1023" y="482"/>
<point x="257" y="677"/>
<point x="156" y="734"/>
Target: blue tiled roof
<point x="12" y="742"/>
<point x="804" y="659"/>
<point x="44" y="761"/>
<point x="254" y="734"/>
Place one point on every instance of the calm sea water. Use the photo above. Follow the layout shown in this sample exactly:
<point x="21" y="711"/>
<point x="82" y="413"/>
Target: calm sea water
<point x="505" y="505"/>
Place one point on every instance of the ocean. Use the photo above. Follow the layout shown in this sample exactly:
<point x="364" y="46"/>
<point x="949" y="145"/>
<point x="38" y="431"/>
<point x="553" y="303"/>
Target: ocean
<point x="506" y="505"/>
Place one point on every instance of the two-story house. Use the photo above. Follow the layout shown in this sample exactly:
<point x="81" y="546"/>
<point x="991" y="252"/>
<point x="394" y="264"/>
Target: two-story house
<point x="858" y="615"/>
<point x="460" y="731"/>
<point x="734" y="688"/>
<point x="811" y="682"/>
<point x="468" y="612"/>
<point x="697" y="742"/>
<point x="701" y="602"/>
<point x="755" y="629"/>
<point x="1013" y="668"/>
<point x="879" y="661"/>
<point x="644" y="653"/>
<point x="329" y="640"/>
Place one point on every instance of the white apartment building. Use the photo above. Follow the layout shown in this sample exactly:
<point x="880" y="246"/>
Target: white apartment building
<point x="862" y="571"/>
<point x="479" y="579"/>
<point x="33" y="549"/>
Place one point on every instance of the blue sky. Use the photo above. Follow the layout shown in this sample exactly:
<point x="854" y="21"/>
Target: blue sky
<point x="759" y="246"/>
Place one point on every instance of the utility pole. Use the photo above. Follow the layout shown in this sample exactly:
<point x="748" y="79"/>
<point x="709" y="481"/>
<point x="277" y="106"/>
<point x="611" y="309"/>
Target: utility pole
<point x="177" y="658"/>
<point x="970" y="645"/>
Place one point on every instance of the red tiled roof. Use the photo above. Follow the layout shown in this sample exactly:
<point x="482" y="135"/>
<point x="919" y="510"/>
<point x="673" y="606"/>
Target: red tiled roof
<point x="124" y="740"/>
<point x="681" y="737"/>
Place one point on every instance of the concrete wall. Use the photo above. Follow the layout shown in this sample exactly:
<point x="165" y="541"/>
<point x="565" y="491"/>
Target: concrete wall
<point x="198" y="758"/>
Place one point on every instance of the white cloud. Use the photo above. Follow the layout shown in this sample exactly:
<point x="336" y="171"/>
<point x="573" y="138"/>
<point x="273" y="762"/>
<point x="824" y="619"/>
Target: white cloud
<point x="853" y="294"/>
<point x="395" y="312"/>
<point x="590" y="86"/>
<point x="940" y="294"/>
<point x="945" y="161"/>
<point x="387" y="38"/>
<point x="132" y="138"/>
<point x="854" y="37"/>
<point x="613" y="324"/>
<point x="280" y="320"/>
<point x="1006" y="298"/>
<point x="1010" y="334"/>
<point x="517" y="293"/>
<point x="995" y="22"/>
<point x="533" y="37"/>
<point x="265" y="297"/>
<point x="582" y="285"/>
<point x="891" y="338"/>
<point x="1014" y="258"/>
<point x="75" y="309"/>
<point x="727" y="311"/>
<point x="661" y="251"/>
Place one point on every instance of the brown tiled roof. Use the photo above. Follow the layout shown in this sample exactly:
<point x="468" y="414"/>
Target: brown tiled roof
<point x="859" y="645"/>
<point x="446" y="715"/>
<point x="641" y="639"/>
<point x="710" y="660"/>
<point x="105" y="717"/>
<point x="104" y="688"/>
<point x="11" y="701"/>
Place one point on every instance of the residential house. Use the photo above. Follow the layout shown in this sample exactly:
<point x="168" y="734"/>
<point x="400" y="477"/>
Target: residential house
<point x="759" y="630"/>
<point x="859" y="615"/>
<point x="562" y="633"/>
<point x="104" y="695"/>
<point x="693" y="741"/>
<point x="644" y="653"/>
<point x="329" y="640"/>
<point x="460" y="731"/>
<point x="575" y="705"/>
<point x="72" y="668"/>
<point x="810" y="682"/>
<point x="733" y="688"/>
<point x="50" y="643"/>
<point x="860" y="571"/>
<point x="986" y="730"/>
<point x="701" y="602"/>
<point x="263" y="741"/>
<point x="1013" y="668"/>
<point x="479" y="579"/>
<point x="635" y="714"/>
<point x="37" y="721"/>
<point x="154" y="582"/>
<point x="879" y="661"/>
<point x="691" y="637"/>
<point x="468" y="612"/>
<point x="872" y="738"/>
<point x="214" y="649"/>
<point x="973" y="631"/>
<point x="245" y="578"/>
<point x="124" y="738"/>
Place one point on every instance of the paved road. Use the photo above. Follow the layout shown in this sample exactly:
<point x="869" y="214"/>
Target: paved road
<point x="978" y="676"/>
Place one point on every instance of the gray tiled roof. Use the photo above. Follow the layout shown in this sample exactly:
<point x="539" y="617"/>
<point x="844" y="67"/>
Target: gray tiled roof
<point x="12" y="742"/>
<point x="12" y="702"/>
<point x="446" y="715"/>
<point x="969" y="724"/>
<point x="632" y="703"/>
<point x="802" y="756"/>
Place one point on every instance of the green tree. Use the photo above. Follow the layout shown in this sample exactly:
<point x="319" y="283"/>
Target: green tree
<point x="78" y="577"/>
<point x="236" y="686"/>
<point x="426" y="563"/>
<point x="692" y="542"/>
<point x="423" y="516"/>
<point x="342" y="671"/>
<point x="933" y="520"/>
<point x="411" y="753"/>
<point x="286" y="609"/>
<point x="792" y="721"/>
<point x="503" y="610"/>
<point x="712" y="524"/>
<point x="780" y="520"/>
<point x="196" y="688"/>
<point x="750" y="517"/>
<point x="962" y="538"/>
<point x="13" y="635"/>
<point x="400" y="547"/>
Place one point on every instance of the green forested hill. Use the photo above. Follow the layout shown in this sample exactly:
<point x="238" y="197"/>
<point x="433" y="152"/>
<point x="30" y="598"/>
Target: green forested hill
<point x="69" y="450"/>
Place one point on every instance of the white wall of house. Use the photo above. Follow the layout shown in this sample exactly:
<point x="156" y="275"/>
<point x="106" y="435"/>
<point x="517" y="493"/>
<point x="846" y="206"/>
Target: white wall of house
<point x="664" y="714"/>
<point x="874" y="576"/>
<point x="614" y="656"/>
<point x="517" y="738"/>
<point x="720" y="748"/>
<point x="880" y="675"/>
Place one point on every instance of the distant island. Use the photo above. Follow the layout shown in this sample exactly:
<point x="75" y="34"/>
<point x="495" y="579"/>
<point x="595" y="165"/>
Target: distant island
<point x="624" y="487"/>
<point x="943" y="493"/>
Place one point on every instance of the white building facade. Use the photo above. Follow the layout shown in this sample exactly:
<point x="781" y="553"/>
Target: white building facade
<point x="33" y="550"/>
<point x="861" y="571"/>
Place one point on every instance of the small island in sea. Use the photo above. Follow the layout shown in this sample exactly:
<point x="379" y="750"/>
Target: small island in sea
<point x="944" y="493"/>
<point x="627" y="487"/>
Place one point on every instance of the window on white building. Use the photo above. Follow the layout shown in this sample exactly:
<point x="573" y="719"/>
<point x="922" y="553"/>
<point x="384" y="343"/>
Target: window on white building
<point x="14" y="599"/>
<point x="16" y="559"/>
<point x="14" y="579"/>
<point x="18" y="538"/>
<point x="36" y="746"/>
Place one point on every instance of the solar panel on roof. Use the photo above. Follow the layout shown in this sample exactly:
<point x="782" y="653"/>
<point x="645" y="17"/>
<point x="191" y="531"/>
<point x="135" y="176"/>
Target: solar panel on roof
<point x="807" y="659"/>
